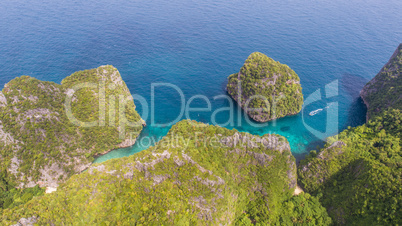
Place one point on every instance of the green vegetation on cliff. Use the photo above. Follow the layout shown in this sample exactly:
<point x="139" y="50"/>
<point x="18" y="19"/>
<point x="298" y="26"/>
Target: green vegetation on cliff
<point x="273" y="81"/>
<point x="41" y="144"/>
<point x="385" y="89"/>
<point x="302" y="209"/>
<point x="359" y="176"/>
<point x="197" y="174"/>
<point x="11" y="197"/>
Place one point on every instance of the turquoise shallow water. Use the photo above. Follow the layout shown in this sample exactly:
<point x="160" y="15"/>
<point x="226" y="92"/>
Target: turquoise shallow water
<point x="196" y="45"/>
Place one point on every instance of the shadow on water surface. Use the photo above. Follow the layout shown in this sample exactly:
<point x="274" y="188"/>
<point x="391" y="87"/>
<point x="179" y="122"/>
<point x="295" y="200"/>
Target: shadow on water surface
<point x="353" y="84"/>
<point x="285" y="128"/>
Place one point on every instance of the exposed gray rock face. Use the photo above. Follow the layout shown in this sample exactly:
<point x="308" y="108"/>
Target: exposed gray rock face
<point x="385" y="89"/>
<point x="50" y="175"/>
<point x="5" y="137"/>
<point x="3" y="100"/>
<point x="269" y="141"/>
<point x="335" y="148"/>
<point x="326" y="154"/>
<point x="38" y="115"/>
<point x="30" y="221"/>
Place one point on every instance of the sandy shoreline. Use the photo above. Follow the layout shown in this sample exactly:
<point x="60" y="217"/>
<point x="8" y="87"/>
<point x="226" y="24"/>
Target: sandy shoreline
<point x="298" y="190"/>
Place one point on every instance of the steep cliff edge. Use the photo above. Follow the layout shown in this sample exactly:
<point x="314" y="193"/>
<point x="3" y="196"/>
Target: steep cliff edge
<point x="358" y="175"/>
<point x="49" y="132"/>
<point x="385" y="89"/>
<point x="266" y="89"/>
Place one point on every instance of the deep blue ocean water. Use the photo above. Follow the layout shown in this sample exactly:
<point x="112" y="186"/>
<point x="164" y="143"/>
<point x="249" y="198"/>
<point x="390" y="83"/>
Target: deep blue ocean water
<point x="196" y="45"/>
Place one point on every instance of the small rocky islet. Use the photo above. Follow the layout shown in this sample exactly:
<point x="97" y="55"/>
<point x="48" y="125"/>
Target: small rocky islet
<point x="266" y="89"/>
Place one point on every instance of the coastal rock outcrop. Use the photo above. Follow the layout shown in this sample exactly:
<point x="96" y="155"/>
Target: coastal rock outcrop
<point x="361" y="169"/>
<point x="49" y="132"/>
<point x="385" y="89"/>
<point x="266" y="89"/>
<point x="197" y="173"/>
<point x="358" y="171"/>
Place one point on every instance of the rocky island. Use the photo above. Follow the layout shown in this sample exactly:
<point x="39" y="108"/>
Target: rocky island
<point x="266" y="89"/>
<point x="45" y="131"/>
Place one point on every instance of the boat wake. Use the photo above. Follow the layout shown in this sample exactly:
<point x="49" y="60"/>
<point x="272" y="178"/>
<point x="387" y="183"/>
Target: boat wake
<point x="318" y="110"/>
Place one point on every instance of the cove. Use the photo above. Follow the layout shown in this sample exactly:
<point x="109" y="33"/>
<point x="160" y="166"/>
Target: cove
<point x="197" y="45"/>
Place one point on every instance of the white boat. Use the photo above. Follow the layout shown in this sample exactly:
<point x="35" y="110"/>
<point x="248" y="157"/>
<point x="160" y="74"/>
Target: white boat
<point x="319" y="110"/>
<point x="315" y="112"/>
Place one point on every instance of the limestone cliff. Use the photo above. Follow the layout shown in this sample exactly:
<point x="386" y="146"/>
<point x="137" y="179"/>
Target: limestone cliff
<point x="197" y="174"/>
<point x="266" y="89"/>
<point x="49" y="131"/>
<point x="385" y="89"/>
<point x="358" y="175"/>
